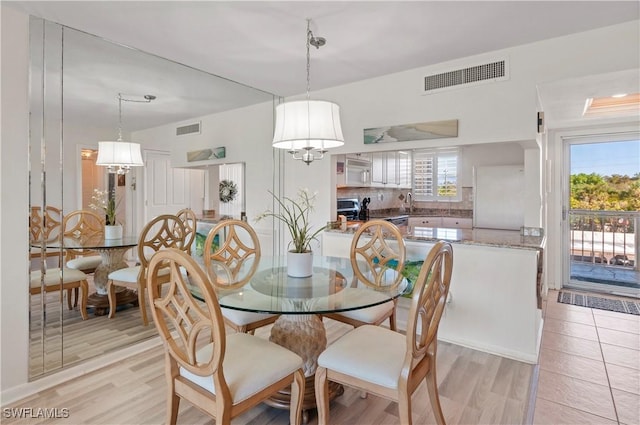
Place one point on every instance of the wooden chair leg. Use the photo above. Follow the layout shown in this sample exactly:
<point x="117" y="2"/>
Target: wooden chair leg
<point x="173" y="404"/>
<point x="84" y="286"/>
<point x="297" y="397"/>
<point x="432" y="387"/>
<point x="404" y="408"/>
<point x="322" y="395"/>
<point x="392" y="321"/>
<point x="75" y="296"/>
<point x="69" y="291"/>
<point x="111" y="294"/>
<point x="143" y="305"/>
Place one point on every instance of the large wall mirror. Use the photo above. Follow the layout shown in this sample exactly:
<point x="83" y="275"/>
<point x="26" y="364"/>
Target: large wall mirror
<point x="75" y="79"/>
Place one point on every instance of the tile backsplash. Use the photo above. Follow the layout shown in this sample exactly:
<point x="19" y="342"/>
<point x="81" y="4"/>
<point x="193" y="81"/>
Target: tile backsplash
<point x="390" y="199"/>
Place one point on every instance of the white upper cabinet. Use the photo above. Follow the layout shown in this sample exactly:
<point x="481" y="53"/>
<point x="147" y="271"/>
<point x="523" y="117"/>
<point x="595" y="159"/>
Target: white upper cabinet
<point x="391" y="169"/>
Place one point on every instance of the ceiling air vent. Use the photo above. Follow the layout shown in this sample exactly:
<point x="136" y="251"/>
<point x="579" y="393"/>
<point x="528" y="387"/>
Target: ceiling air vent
<point x="473" y="75"/>
<point x="188" y="129"/>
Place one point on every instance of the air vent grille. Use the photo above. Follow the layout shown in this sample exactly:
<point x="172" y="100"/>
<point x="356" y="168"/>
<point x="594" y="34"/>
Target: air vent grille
<point x="494" y="71"/>
<point x="188" y="129"/>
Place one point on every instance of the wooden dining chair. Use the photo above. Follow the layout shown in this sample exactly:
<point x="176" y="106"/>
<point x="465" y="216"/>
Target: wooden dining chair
<point x="222" y="375"/>
<point x="387" y="363"/>
<point x="164" y="231"/>
<point x="190" y="222"/>
<point x="238" y="249"/>
<point x="376" y="263"/>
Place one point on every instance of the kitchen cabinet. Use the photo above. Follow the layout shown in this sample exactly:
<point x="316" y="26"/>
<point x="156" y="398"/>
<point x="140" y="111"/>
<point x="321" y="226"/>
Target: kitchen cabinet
<point x="391" y="169"/>
<point x="425" y="221"/>
<point x="446" y="222"/>
<point x="457" y="223"/>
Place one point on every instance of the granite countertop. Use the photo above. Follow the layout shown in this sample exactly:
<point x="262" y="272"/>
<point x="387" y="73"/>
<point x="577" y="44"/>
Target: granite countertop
<point x="486" y="237"/>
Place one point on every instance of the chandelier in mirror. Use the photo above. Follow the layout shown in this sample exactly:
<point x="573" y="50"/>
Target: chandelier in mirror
<point x="120" y="156"/>
<point x="307" y="128"/>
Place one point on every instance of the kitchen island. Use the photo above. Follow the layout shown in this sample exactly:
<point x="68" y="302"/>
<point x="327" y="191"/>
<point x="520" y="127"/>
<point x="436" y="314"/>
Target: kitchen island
<point x="495" y="303"/>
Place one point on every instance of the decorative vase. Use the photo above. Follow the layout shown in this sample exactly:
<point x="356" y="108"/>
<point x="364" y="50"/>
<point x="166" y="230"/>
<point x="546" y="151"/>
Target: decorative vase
<point x="113" y="231"/>
<point x="299" y="264"/>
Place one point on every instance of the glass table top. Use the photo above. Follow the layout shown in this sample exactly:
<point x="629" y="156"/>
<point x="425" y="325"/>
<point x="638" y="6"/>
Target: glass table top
<point x="331" y="288"/>
<point x="91" y="242"/>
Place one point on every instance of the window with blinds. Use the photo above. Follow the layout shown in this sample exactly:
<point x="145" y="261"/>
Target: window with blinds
<point x="435" y="175"/>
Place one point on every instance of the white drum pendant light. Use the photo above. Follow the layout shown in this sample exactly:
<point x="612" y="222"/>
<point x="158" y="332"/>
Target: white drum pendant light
<point x="307" y="128"/>
<point x="120" y="156"/>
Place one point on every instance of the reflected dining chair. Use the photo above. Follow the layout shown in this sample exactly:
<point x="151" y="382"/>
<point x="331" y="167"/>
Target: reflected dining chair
<point x="222" y="375"/>
<point x="387" y="363"/>
<point x="43" y="227"/>
<point x="377" y="258"/>
<point x="190" y="222"/>
<point x="164" y="231"/>
<point x="238" y="249"/>
<point x="82" y="224"/>
<point x="57" y="279"/>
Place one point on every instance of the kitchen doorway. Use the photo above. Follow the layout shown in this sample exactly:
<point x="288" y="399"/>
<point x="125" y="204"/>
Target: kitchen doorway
<point x="601" y="214"/>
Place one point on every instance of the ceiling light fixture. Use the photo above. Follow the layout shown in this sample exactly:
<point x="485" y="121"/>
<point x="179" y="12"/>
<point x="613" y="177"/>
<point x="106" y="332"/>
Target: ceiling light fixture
<point x="307" y="128"/>
<point x="120" y="156"/>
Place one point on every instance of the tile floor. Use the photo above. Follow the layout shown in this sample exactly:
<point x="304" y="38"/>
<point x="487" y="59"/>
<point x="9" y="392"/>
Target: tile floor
<point x="589" y="366"/>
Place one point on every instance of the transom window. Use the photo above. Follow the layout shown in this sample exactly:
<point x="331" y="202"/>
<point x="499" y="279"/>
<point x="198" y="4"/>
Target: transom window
<point x="435" y="174"/>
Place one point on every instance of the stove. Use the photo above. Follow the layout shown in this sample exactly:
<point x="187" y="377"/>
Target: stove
<point x="349" y="207"/>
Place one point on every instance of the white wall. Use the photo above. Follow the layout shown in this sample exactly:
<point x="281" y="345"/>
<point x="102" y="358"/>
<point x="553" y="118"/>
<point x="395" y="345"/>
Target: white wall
<point x="14" y="182"/>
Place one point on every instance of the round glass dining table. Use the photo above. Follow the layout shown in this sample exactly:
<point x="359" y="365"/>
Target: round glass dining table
<point x="112" y="255"/>
<point x="300" y="302"/>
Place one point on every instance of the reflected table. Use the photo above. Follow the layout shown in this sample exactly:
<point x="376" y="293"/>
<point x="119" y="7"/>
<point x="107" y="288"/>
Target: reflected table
<point x="112" y="254"/>
<point x="300" y="302"/>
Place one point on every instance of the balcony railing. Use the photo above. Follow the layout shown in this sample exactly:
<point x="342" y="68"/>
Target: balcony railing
<point x="605" y="237"/>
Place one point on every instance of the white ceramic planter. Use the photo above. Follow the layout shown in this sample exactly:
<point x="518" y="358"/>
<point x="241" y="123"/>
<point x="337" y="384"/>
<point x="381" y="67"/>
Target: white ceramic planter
<point x="299" y="264"/>
<point x="113" y="232"/>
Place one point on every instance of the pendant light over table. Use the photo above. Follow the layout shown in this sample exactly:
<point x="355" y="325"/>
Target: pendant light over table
<point x="307" y="128"/>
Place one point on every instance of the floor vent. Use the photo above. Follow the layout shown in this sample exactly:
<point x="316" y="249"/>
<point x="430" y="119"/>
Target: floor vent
<point x="473" y="75"/>
<point x="188" y="129"/>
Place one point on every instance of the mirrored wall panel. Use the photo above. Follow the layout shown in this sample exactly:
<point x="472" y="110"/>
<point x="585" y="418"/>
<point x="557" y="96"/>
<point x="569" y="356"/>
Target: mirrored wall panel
<point x="77" y="86"/>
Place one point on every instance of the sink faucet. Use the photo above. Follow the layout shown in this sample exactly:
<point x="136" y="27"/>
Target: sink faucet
<point x="409" y="199"/>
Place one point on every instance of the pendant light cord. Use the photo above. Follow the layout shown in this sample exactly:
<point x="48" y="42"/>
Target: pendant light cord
<point x="309" y="36"/>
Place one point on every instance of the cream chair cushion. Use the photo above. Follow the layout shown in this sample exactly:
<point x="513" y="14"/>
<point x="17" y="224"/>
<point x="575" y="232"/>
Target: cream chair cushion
<point x="52" y="277"/>
<point x="368" y="352"/>
<point x="250" y="365"/>
<point x="369" y="314"/>
<point x="85" y="263"/>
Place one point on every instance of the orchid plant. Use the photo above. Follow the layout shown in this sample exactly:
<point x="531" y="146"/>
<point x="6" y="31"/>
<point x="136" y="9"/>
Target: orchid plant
<point x="295" y="214"/>
<point x="101" y="201"/>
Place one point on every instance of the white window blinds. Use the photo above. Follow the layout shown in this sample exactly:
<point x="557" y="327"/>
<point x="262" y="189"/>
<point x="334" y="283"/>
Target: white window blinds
<point x="435" y="174"/>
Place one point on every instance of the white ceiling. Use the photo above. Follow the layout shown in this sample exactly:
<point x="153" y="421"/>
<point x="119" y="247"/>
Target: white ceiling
<point x="262" y="44"/>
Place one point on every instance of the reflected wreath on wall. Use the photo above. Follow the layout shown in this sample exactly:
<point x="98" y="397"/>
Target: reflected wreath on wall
<point x="228" y="191"/>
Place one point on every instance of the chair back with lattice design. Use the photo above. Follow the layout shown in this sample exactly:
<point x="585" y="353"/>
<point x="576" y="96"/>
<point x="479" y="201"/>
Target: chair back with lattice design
<point x="237" y="255"/>
<point x="44" y="226"/>
<point x="428" y="302"/>
<point x="190" y="222"/>
<point x="181" y="320"/>
<point x="378" y="254"/>
<point x="162" y="232"/>
<point x="83" y="224"/>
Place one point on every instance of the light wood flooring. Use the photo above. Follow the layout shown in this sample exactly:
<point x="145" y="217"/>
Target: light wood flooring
<point x="475" y="387"/>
